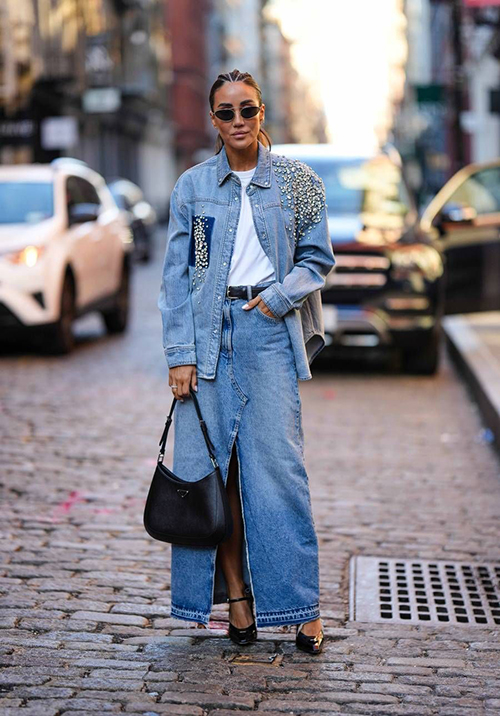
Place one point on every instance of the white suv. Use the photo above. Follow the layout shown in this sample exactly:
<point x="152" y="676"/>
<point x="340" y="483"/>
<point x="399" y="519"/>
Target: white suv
<point x="64" y="251"/>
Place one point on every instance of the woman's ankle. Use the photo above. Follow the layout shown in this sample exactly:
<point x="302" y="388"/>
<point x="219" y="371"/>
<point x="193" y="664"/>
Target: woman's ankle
<point x="241" y="614"/>
<point x="311" y="628"/>
<point x="236" y="590"/>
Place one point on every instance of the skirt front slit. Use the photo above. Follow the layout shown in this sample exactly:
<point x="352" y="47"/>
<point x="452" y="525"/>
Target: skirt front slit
<point x="254" y="404"/>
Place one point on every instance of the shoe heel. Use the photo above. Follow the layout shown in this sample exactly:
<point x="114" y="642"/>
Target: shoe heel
<point x="244" y="636"/>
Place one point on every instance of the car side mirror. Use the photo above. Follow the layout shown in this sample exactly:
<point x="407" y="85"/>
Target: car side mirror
<point x="81" y="213"/>
<point x="454" y="216"/>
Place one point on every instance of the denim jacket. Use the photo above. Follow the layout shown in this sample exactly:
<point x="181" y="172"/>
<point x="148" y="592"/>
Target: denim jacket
<point x="290" y="215"/>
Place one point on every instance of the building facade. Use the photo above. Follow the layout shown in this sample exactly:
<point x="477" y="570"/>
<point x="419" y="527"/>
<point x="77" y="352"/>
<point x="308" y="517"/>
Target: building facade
<point x="244" y="34"/>
<point x="124" y="84"/>
<point x="90" y="80"/>
<point x="450" y="114"/>
<point x="188" y="28"/>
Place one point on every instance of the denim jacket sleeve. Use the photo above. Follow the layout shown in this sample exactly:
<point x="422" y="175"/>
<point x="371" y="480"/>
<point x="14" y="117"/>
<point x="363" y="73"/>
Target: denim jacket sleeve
<point x="313" y="261"/>
<point x="174" y="300"/>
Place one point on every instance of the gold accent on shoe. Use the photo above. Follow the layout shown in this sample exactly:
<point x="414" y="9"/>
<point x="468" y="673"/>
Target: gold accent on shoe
<point x="309" y="644"/>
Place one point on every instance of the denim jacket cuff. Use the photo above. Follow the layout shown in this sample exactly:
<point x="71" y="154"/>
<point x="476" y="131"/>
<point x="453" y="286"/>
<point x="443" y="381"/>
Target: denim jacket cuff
<point x="180" y="355"/>
<point x="275" y="300"/>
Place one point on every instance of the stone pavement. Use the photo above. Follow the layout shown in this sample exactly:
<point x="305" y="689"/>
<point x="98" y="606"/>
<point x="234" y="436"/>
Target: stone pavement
<point x="398" y="467"/>
<point x="474" y="343"/>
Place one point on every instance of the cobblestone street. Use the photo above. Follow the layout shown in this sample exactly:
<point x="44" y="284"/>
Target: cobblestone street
<point x="399" y="466"/>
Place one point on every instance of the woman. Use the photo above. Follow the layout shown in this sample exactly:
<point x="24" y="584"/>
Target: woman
<point x="248" y="251"/>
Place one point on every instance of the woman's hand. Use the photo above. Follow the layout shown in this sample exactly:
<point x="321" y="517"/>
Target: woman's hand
<point x="262" y="307"/>
<point x="181" y="378"/>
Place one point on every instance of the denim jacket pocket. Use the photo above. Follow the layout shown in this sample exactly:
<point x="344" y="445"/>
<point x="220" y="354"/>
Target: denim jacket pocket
<point x="202" y="228"/>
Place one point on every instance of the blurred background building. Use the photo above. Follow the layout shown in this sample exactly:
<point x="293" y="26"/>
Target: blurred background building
<point x="123" y="84"/>
<point x="450" y="113"/>
<point x="245" y="35"/>
<point x="87" y="79"/>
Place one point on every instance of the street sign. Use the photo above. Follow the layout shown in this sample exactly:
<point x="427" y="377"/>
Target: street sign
<point x="59" y="132"/>
<point x="101" y="99"/>
<point x="17" y="131"/>
<point x="99" y="64"/>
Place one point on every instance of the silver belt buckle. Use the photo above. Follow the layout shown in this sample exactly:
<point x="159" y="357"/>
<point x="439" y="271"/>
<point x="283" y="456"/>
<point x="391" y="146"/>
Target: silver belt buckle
<point x="227" y="293"/>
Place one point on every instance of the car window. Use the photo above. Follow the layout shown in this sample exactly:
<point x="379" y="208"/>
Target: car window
<point x="74" y="193"/>
<point x="481" y="191"/>
<point x="372" y="188"/>
<point x="89" y="192"/>
<point x="127" y="203"/>
<point x="80" y="191"/>
<point x="120" y="199"/>
<point x="26" y="202"/>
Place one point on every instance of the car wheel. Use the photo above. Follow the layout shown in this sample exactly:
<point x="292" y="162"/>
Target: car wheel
<point x="116" y="319"/>
<point x="61" y="339"/>
<point x="423" y="360"/>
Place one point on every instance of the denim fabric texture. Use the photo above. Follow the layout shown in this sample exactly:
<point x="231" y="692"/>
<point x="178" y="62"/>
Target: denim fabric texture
<point x="254" y="404"/>
<point x="249" y="366"/>
<point x="290" y="217"/>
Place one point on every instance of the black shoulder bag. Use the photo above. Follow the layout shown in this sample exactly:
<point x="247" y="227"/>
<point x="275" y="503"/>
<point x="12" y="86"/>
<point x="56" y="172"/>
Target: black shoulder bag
<point x="189" y="513"/>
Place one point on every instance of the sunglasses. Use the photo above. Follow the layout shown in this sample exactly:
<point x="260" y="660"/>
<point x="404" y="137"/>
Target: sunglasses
<point x="226" y="115"/>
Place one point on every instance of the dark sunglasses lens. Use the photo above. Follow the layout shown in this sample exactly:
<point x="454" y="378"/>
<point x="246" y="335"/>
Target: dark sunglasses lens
<point x="248" y="112"/>
<point x="224" y="114"/>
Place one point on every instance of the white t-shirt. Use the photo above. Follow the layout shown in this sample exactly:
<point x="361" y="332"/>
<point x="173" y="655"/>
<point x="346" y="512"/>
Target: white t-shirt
<point x="249" y="263"/>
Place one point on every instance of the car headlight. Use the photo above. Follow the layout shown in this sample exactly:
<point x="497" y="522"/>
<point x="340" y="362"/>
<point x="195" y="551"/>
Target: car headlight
<point x="424" y="259"/>
<point x="28" y="256"/>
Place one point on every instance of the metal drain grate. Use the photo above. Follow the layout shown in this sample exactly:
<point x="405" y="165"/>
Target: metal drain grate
<point x="424" y="591"/>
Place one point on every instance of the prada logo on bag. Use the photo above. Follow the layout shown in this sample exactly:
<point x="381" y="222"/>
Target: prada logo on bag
<point x="183" y="493"/>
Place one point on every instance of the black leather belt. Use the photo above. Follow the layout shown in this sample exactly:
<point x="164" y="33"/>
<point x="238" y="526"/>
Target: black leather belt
<point x="242" y="291"/>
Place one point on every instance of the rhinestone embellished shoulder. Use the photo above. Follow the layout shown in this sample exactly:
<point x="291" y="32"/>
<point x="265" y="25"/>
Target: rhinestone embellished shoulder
<point x="302" y="193"/>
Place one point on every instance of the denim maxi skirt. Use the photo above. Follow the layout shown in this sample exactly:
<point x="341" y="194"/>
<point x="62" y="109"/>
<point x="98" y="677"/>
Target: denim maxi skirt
<point x="253" y="401"/>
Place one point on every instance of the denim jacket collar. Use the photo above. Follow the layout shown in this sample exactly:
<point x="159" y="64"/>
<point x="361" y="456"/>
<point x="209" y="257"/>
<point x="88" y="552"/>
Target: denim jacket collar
<point x="262" y="175"/>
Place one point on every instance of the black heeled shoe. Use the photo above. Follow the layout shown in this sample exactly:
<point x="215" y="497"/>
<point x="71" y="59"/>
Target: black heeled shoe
<point x="246" y="635"/>
<point x="310" y="644"/>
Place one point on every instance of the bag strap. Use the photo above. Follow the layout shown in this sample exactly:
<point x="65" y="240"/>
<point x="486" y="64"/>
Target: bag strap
<point x="203" y="426"/>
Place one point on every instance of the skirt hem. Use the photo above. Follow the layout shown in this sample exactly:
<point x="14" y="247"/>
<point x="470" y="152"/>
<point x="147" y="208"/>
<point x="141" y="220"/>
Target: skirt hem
<point x="189" y="615"/>
<point x="288" y="616"/>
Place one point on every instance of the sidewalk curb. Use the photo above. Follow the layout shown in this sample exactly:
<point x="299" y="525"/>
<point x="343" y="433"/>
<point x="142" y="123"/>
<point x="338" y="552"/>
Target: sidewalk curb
<point x="479" y="369"/>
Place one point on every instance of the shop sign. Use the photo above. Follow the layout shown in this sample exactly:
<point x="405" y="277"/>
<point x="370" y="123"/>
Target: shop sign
<point x="102" y="99"/>
<point x="17" y="130"/>
<point x="59" y="133"/>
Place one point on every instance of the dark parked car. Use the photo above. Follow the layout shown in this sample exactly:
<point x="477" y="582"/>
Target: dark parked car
<point x="139" y="214"/>
<point x="396" y="275"/>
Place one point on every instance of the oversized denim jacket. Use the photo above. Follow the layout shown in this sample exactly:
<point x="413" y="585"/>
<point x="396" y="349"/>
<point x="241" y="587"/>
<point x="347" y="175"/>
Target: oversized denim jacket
<point x="290" y="215"/>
